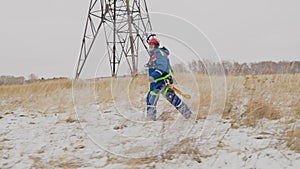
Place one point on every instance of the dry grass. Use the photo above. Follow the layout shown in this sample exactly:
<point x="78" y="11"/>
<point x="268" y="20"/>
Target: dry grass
<point x="61" y="162"/>
<point x="186" y="146"/>
<point x="45" y="87"/>
<point x="268" y="96"/>
<point x="132" y="162"/>
<point x="294" y="139"/>
<point x="257" y="111"/>
<point x="166" y="116"/>
<point x="65" y="163"/>
<point x="38" y="162"/>
<point x="249" y="98"/>
<point x="37" y="96"/>
<point x="265" y="93"/>
<point x="261" y="96"/>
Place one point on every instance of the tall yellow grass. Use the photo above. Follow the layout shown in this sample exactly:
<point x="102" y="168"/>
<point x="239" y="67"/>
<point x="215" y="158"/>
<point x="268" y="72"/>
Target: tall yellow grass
<point x="248" y="99"/>
<point x="38" y="96"/>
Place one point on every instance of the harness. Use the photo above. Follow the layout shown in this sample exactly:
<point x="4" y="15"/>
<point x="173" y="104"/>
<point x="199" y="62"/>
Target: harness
<point x="162" y="78"/>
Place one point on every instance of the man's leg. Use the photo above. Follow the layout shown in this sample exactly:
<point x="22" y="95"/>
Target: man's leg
<point x="152" y="98"/>
<point x="178" y="103"/>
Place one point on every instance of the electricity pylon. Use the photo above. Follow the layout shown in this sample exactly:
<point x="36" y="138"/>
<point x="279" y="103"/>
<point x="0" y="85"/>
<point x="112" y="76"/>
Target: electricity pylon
<point x="126" y="25"/>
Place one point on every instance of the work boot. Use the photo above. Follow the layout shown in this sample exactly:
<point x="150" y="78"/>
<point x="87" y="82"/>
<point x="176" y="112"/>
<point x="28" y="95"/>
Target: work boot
<point x="151" y="113"/>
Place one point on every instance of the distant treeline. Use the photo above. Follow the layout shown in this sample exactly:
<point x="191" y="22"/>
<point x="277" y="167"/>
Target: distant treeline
<point x="235" y="68"/>
<point x="10" y="80"/>
<point x="204" y="67"/>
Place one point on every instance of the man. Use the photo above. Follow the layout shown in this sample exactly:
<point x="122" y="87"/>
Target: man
<point x="160" y="78"/>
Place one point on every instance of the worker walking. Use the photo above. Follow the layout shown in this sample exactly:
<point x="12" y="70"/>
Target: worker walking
<point x="160" y="78"/>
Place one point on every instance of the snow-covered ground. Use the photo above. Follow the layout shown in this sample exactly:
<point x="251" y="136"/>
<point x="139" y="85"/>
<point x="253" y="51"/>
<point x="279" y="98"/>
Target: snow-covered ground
<point x="106" y="140"/>
<point x="113" y="133"/>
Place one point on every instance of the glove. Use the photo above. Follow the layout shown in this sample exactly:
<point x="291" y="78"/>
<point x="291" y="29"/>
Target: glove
<point x="151" y="79"/>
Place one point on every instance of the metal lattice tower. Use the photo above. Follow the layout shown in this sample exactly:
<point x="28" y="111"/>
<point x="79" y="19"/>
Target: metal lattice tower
<point x="125" y="23"/>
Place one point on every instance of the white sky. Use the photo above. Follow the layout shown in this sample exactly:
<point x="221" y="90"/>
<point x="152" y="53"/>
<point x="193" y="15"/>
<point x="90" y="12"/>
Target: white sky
<point x="44" y="36"/>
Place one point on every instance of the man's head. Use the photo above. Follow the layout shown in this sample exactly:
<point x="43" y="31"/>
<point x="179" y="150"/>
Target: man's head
<point x="153" y="44"/>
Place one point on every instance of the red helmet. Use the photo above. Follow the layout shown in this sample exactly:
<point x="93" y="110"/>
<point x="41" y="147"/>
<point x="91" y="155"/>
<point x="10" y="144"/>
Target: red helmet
<point x="154" y="41"/>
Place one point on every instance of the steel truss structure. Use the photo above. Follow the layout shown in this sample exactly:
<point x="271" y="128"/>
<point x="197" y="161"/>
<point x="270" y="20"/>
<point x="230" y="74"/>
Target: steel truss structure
<point x="126" y="25"/>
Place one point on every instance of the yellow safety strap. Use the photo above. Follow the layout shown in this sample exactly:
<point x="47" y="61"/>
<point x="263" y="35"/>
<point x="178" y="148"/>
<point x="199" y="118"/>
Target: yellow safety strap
<point x="166" y="90"/>
<point x="162" y="78"/>
<point x="162" y="53"/>
<point x="153" y="93"/>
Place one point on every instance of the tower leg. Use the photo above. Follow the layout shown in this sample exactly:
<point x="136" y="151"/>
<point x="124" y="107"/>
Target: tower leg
<point x="126" y="23"/>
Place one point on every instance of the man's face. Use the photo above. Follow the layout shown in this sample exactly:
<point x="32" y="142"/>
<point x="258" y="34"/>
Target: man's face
<point x="151" y="46"/>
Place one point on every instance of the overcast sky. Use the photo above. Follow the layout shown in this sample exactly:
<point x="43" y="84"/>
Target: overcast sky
<point x="43" y="36"/>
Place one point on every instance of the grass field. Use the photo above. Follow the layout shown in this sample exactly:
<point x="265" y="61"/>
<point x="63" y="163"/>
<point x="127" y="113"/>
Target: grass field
<point x="244" y="100"/>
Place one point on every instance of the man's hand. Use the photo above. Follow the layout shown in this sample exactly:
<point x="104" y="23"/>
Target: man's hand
<point x="151" y="79"/>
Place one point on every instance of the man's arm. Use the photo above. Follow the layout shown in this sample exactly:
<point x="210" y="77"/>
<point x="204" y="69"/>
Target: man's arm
<point x="162" y="66"/>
